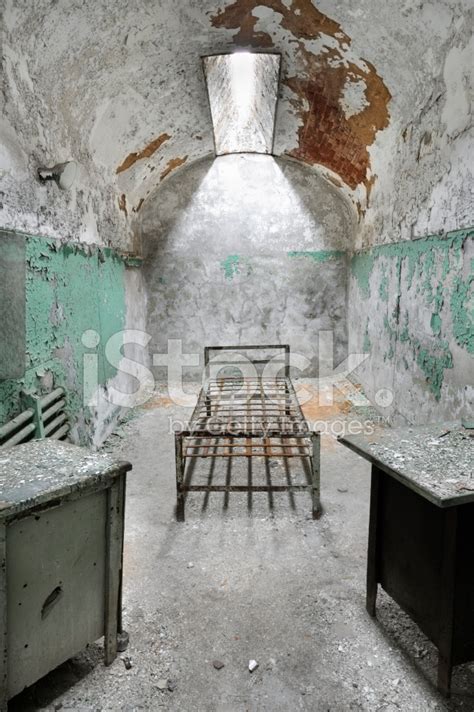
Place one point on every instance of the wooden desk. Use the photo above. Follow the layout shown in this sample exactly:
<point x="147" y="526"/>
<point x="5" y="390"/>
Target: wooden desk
<point x="421" y="532"/>
<point x="61" y="536"/>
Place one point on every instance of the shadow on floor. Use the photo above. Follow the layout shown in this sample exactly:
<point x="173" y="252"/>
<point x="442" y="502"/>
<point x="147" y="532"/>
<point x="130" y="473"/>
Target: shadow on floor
<point x="245" y="475"/>
<point x="43" y="693"/>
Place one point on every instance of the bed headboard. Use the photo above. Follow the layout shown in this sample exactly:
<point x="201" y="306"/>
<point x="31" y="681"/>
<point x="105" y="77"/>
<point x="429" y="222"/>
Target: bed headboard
<point x="284" y="349"/>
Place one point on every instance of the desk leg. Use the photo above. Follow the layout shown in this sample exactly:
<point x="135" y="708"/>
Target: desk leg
<point x="372" y="553"/>
<point x="179" y="450"/>
<point x="122" y="635"/>
<point x="445" y="660"/>
<point x="114" y="533"/>
<point x="316" y="473"/>
<point x="3" y="620"/>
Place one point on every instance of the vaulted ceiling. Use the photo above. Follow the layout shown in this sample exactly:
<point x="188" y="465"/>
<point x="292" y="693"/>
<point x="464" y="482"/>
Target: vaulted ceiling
<point x="119" y="86"/>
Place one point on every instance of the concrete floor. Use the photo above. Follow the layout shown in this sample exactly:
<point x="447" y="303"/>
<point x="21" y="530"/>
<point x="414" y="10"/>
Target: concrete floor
<point x="249" y="578"/>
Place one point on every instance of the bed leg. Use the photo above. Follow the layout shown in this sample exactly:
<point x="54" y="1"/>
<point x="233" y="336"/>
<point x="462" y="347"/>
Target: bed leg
<point x="287" y="400"/>
<point x="178" y="443"/>
<point x="315" y="473"/>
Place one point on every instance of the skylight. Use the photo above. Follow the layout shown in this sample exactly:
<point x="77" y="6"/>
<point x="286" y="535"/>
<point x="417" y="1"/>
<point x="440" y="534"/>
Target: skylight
<point x="243" y="91"/>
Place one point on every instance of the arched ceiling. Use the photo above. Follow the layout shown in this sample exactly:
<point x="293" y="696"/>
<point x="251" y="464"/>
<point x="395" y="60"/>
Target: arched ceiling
<point x="119" y="86"/>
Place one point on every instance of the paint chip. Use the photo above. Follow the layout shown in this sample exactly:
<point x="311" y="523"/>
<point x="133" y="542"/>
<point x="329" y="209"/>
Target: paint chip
<point x="122" y="203"/>
<point x="138" y="205"/>
<point x="147" y="152"/>
<point x="171" y="165"/>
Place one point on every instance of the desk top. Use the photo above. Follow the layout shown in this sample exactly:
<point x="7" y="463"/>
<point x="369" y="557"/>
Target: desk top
<point x="437" y="461"/>
<point x="36" y="472"/>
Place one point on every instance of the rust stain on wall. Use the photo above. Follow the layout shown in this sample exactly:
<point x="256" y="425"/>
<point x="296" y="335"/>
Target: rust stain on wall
<point x="326" y="135"/>
<point x="122" y="203"/>
<point x="147" y="152"/>
<point x="302" y="19"/>
<point x="171" y="165"/>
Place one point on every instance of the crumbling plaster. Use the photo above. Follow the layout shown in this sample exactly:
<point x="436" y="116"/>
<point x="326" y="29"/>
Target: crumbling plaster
<point x="100" y="82"/>
<point x="65" y="292"/>
<point x="119" y="88"/>
<point x="413" y="306"/>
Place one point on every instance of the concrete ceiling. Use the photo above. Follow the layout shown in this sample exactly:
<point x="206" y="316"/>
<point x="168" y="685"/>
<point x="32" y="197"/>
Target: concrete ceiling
<point x="119" y="86"/>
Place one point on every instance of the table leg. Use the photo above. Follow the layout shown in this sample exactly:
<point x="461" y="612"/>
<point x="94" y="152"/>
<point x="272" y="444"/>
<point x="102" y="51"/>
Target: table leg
<point x="445" y="661"/>
<point x="114" y="533"/>
<point x="372" y="553"/>
<point x="122" y="636"/>
<point x="178" y="442"/>
<point x="316" y="474"/>
<point x="3" y="620"/>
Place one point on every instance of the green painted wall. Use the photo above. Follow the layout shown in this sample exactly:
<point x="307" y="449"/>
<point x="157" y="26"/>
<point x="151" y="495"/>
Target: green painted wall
<point x="419" y="298"/>
<point x="69" y="288"/>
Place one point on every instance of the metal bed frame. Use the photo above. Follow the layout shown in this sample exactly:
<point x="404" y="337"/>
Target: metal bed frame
<point x="237" y="416"/>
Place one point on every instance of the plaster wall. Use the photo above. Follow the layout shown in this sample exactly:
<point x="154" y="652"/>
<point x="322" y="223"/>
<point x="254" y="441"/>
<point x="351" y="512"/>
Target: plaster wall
<point x="374" y="95"/>
<point x="425" y="180"/>
<point x="411" y="311"/>
<point x="247" y="249"/>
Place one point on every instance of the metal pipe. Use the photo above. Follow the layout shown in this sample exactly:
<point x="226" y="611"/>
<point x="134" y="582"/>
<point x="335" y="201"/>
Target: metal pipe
<point x="51" y="397"/>
<point x="59" y="405"/>
<point x="20" y="436"/>
<point x="61" y="432"/>
<point x="14" y="424"/>
<point x="51" y="427"/>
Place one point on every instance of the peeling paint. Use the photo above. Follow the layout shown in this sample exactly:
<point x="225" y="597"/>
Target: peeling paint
<point x="362" y="265"/>
<point x="138" y="205"/>
<point x="302" y="19"/>
<point x="153" y="83"/>
<point x="433" y="363"/>
<point x="435" y="301"/>
<point x="415" y="252"/>
<point x="326" y="135"/>
<point x="462" y="312"/>
<point x="82" y="288"/>
<point x="235" y="265"/>
<point x="319" y="255"/>
<point x="171" y="165"/>
<point x="329" y="134"/>
<point x="435" y="324"/>
<point x="146" y="152"/>
<point x="122" y="203"/>
<point x="383" y="287"/>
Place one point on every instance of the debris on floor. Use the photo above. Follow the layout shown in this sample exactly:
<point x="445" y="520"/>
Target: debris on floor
<point x="127" y="662"/>
<point x="288" y="601"/>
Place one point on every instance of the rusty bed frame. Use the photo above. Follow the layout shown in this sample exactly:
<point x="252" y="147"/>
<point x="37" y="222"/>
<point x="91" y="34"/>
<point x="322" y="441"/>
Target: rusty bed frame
<point x="238" y="416"/>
